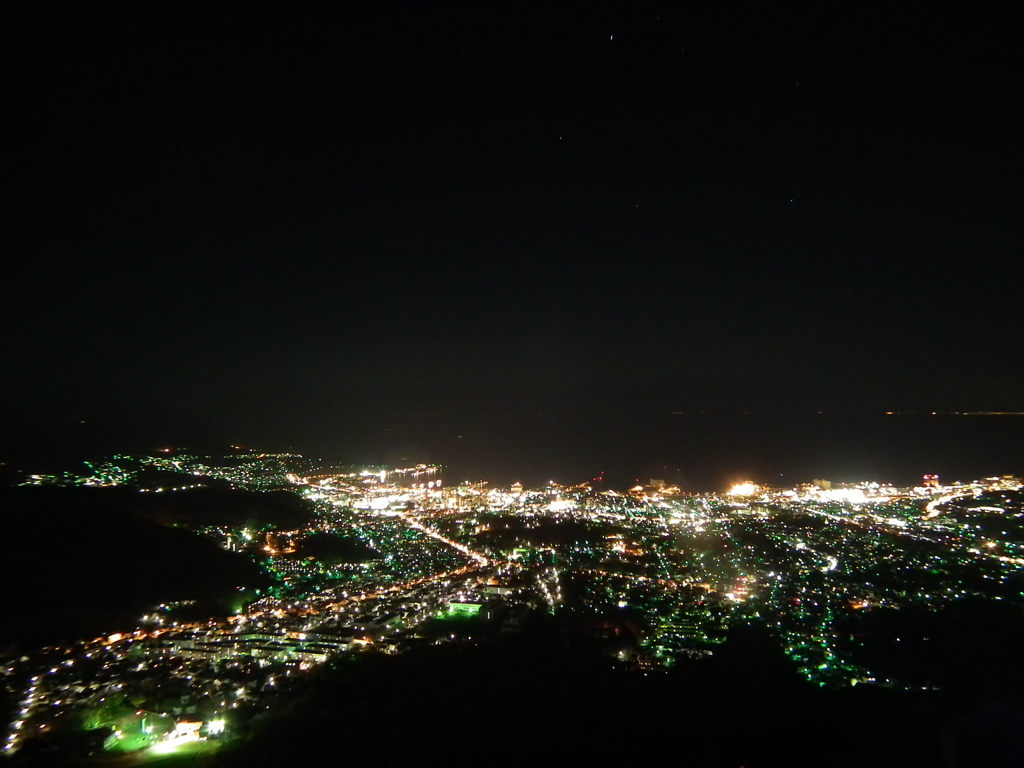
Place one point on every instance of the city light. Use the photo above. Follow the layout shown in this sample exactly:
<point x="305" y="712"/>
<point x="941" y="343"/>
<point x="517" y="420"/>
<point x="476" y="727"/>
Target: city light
<point x="743" y="489"/>
<point x="388" y="560"/>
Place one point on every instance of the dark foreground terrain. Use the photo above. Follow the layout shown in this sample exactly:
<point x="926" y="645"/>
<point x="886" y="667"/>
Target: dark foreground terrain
<point x="82" y="562"/>
<point x="552" y="701"/>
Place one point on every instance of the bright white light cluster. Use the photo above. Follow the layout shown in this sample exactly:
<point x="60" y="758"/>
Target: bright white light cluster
<point x="744" y="489"/>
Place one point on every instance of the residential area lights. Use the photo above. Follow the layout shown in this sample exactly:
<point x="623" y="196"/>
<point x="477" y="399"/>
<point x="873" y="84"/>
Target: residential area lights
<point x="422" y="561"/>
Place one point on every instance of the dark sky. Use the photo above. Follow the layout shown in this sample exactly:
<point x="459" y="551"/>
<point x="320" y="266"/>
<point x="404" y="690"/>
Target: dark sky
<point x="271" y="224"/>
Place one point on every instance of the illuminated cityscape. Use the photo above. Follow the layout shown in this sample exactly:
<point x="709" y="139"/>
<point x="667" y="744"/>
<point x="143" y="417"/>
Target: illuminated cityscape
<point x="393" y="559"/>
<point x="512" y="383"/>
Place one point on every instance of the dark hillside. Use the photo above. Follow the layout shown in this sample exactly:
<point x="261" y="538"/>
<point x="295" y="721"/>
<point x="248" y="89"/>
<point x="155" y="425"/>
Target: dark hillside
<point x="77" y="566"/>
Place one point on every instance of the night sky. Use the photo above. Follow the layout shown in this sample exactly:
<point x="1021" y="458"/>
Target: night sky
<point x="290" y="228"/>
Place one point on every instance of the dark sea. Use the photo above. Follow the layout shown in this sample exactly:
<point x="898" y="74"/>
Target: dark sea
<point x="707" y="452"/>
<point x="697" y="451"/>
